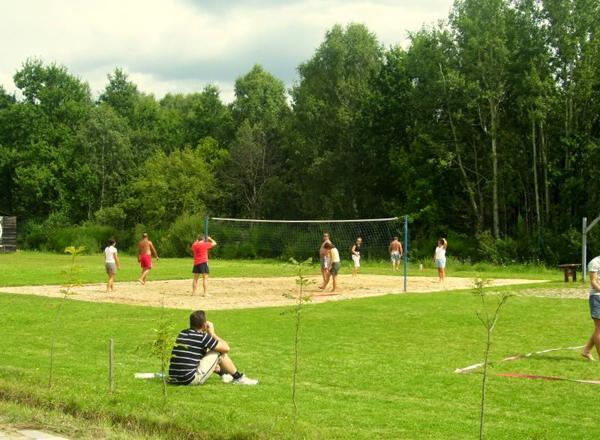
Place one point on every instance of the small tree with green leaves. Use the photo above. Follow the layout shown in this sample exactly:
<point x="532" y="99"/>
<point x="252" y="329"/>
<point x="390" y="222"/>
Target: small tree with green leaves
<point x="488" y="316"/>
<point x="162" y="345"/>
<point x="72" y="279"/>
<point x="302" y="282"/>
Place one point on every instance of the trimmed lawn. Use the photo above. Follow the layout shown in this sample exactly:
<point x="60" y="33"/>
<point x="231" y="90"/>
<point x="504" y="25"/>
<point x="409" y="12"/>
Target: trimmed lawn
<point x="370" y="368"/>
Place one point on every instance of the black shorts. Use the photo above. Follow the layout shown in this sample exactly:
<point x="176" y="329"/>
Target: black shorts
<point x="200" y="268"/>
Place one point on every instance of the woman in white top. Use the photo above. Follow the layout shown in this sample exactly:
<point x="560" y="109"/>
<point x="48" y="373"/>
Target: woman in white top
<point x="439" y="257"/>
<point x="111" y="262"/>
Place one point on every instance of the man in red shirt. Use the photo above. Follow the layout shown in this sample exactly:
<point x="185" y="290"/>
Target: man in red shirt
<point x="200" y="250"/>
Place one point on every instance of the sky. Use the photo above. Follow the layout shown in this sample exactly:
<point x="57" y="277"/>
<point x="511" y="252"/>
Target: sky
<point x="179" y="46"/>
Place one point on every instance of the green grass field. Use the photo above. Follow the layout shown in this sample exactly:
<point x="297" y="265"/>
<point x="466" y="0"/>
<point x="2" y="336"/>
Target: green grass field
<point x="370" y="368"/>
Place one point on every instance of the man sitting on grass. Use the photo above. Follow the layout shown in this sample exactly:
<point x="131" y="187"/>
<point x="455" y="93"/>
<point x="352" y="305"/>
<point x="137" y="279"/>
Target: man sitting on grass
<point x="199" y="352"/>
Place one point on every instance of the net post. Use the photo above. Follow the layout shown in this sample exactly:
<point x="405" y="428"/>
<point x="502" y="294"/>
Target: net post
<point x="405" y="250"/>
<point x="206" y="228"/>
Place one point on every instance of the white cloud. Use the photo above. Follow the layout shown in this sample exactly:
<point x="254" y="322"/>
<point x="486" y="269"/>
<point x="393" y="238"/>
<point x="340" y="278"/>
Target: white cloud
<point x="181" y="45"/>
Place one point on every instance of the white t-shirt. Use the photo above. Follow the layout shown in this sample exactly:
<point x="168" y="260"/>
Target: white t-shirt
<point x="110" y="253"/>
<point x="594" y="266"/>
<point x="440" y="253"/>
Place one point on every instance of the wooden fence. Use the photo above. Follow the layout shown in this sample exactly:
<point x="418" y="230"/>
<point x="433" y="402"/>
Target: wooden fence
<point x="8" y="234"/>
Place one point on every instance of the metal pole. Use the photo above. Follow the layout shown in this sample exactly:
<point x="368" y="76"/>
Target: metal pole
<point x="405" y="250"/>
<point x="206" y="228"/>
<point x="583" y="249"/>
<point x="111" y="353"/>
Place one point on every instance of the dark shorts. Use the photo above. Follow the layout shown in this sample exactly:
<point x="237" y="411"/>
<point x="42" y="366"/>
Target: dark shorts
<point x="595" y="306"/>
<point x="200" y="268"/>
<point x="335" y="268"/>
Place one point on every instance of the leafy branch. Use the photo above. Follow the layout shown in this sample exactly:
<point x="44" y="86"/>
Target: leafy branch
<point x="72" y="280"/>
<point x="488" y="320"/>
<point x="162" y="344"/>
<point x="302" y="282"/>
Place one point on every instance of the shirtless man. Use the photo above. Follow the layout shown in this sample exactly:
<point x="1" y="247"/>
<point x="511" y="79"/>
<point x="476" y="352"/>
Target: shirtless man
<point x="145" y="252"/>
<point x="324" y="256"/>
<point x="396" y="252"/>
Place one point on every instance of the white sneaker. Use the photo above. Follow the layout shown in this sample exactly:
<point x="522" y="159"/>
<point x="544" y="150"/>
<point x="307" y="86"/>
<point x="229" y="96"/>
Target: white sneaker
<point x="226" y="378"/>
<point x="244" y="381"/>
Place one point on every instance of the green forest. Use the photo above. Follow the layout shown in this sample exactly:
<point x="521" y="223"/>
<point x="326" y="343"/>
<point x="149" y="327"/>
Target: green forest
<point x="484" y="128"/>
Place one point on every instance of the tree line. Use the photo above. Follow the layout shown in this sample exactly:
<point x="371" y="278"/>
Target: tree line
<point x="485" y="129"/>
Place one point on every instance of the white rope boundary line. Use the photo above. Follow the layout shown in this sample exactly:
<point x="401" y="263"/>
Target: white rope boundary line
<point x="473" y="367"/>
<point x="515" y="357"/>
<point x="249" y="220"/>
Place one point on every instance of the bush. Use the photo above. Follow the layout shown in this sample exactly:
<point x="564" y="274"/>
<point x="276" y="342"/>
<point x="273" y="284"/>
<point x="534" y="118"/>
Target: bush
<point x="33" y="236"/>
<point x="36" y="235"/>
<point x="177" y="240"/>
<point x="113" y="216"/>
<point x="93" y="237"/>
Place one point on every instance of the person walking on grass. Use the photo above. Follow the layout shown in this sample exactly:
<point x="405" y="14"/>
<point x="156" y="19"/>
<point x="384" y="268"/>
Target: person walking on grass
<point x="145" y="252"/>
<point x="334" y="269"/>
<point x="200" y="250"/>
<point x="396" y="252"/>
<point x="439" y="257"/>
<point x="594" y="301"/>
<point x="324" y="256"/>
<point x="111" y="263"/>
<point x="356" y="256"/>
<point x="199" y="352"/>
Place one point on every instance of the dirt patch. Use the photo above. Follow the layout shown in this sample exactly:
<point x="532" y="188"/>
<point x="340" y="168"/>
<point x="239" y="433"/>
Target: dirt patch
<point x="238" y="293"/>
<point x="570" y="292"/>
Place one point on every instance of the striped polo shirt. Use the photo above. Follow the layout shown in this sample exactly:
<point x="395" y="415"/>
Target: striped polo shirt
<point x="190" y="346"/>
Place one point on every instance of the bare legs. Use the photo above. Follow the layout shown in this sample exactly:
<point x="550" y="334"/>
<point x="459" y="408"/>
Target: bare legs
<point x="441" y="274"/>
<point x="324" y="273"/>
<point x="356" y="265"/>
<point x="226" y="365"/>
<point x="110" y="285"/>
<point x="145" y="273"/>
<point x="594" y="341"/>
<point x="204" y="283"/>
<point x="195" y="283"/>
<point x="329" y="276"/>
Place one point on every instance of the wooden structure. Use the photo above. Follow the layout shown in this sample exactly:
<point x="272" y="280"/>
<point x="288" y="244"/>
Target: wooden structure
<point x="8" y="234"/>
<point x="570" y="271"/>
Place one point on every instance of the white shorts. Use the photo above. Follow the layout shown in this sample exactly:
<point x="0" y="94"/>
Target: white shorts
<point x="356" y="259"/>
<point x="206" y="367"/>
